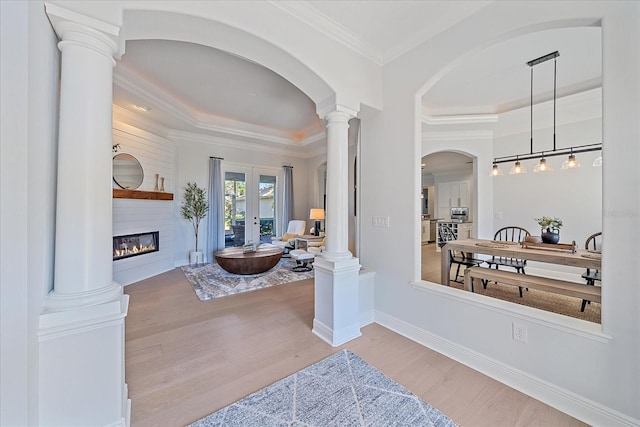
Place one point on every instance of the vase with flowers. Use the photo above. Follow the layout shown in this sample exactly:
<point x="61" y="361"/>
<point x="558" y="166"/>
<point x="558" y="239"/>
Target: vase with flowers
<point x="550" y="228"/>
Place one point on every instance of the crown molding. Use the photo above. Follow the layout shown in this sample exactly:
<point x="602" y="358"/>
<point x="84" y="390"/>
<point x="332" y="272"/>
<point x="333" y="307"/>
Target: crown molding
<point x="151" y="93"/>
<point x="123" y="115"/>
<point x="457" y="136"/>
<point x="458" y="120"/>
<point x="311" y="16"/>
<point x="177" y="136"/>
<point x="132" y="82"/>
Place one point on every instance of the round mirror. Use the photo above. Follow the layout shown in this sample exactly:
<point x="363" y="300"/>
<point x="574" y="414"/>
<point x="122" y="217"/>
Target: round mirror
<point x="127" y="171"/>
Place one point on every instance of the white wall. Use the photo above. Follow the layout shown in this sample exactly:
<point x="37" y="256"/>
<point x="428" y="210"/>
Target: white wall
<point x="192" y="165"/>
<point x="28" y="113"/>
<point x="470" y="330"/>
<point x="556" y="365"/>
<point x="131" y="216"/>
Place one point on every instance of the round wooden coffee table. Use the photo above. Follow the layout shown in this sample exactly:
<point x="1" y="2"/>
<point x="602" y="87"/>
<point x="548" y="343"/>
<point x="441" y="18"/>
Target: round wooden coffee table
<point x="234" y="260"/>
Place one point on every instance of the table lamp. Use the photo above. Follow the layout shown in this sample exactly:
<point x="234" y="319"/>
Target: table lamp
<point x="317" y="214"/>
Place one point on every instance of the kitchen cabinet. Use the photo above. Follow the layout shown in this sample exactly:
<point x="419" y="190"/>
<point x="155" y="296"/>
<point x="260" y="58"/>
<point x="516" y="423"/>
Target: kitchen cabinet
<point x="451" y="194"/>
<point x="424" y="231"/>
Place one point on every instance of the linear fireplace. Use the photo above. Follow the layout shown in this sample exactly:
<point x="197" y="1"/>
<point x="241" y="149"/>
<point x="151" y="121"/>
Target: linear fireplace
<point x="135" y="244"/>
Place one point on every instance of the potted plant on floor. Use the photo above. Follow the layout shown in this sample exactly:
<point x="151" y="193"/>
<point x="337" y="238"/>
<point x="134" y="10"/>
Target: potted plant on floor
<point x="194" y="208"/>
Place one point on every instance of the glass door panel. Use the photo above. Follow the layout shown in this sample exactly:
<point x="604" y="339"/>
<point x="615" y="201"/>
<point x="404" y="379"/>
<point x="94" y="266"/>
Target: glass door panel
<point x="235" y="208"/>
<point x="267" y="207"/>
<point x="250" y="213"/>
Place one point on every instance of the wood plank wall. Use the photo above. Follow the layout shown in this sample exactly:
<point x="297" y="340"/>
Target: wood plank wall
<point x="156" y="155"/>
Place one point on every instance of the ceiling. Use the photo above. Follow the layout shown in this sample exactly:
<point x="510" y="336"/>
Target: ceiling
<point x="446" y="162"/>
<point x="200" y="90"/>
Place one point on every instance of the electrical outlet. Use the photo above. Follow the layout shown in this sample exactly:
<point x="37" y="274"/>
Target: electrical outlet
<point x="497" y="215"/>
<point x="519" y="332"/>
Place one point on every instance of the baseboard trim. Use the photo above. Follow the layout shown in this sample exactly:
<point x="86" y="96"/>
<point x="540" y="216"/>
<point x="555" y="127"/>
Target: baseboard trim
<point x="366" y="318"/>
<point x="335" y="338"/>
<point x="577" y="406"/>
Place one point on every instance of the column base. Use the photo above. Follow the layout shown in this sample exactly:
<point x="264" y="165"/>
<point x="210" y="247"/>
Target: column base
<point x="337" y="283"/>
<point x="82" y="366"/>
<point x="56" y="301"/>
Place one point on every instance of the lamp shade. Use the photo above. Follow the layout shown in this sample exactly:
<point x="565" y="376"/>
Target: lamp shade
<point x="316" y="214"/>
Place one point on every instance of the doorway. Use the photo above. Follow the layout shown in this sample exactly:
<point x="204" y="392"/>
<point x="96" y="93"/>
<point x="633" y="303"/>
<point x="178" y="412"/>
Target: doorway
<point x="251" y="197"/>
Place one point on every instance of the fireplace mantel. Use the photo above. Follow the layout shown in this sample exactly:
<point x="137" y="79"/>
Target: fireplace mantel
<point x="119" y="193"/>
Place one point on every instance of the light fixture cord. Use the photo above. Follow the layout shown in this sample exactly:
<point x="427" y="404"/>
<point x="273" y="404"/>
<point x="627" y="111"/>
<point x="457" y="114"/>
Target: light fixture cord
<point x="554" y="103"/>
<point x="531" y="137"/>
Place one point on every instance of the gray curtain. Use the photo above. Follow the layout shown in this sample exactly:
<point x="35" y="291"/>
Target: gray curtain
<point x="215" y="219"/>
<point x="287" y="207"/>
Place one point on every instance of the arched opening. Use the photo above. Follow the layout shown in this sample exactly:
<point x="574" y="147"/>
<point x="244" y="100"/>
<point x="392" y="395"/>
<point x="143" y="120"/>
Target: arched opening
<point x="500" y="123"/>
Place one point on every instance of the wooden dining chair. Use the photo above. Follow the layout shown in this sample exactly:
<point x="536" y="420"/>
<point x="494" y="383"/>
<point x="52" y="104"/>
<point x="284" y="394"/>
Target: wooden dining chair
<point x="509" y="234"/>
<point x="593" y="243"/>
<point x="446" y="234"/>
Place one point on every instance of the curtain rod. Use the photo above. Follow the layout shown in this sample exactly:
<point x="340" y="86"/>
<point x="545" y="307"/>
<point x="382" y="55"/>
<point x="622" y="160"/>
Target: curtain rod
<point x="219" y="158"/>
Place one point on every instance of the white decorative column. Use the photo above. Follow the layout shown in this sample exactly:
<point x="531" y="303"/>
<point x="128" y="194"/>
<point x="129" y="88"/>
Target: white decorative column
<point x="81" y="330"/>
<point x="336" y="318"/>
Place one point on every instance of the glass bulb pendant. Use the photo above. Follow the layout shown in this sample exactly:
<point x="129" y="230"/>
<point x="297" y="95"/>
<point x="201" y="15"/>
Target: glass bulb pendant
<point x="571" y="163"/>
<point x="496" y="171"/>
<point x="517" y="169"/>
<point x="542" y="166"/>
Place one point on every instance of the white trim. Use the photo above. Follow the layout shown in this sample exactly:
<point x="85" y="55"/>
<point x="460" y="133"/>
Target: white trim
<point x="122" y="422"/>
<point x="545" y="318"/>
<point x="308" y="152"/>
<point x="564" y="400"/>
<point x="461" y="119"/>
<point x="122" y="116"/>
<point x="335" y="338"/>
<point x="457" y="136"/>
<point x="71" y="322"/>
<point x="153" y="94"/>
<point x="306" y="13"/>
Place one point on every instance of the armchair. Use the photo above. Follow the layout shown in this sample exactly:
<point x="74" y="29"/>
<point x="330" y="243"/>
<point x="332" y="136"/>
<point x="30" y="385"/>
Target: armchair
<point x="287" y="240"/>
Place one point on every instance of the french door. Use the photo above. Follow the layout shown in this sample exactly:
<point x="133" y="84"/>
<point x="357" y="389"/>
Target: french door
<point x="250" y="204"/>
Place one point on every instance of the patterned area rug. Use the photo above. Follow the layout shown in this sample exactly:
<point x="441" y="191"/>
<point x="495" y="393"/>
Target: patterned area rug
<point x="211" y="281"/>
<point x="341" y="390"/>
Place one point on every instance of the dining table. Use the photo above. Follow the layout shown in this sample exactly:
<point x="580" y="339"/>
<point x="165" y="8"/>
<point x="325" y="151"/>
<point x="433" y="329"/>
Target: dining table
<point x="544" y="253"/>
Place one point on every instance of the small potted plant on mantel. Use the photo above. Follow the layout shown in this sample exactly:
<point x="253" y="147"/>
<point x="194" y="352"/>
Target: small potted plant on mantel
<point x="194" y="208"/>
<point x="550" y="231"/>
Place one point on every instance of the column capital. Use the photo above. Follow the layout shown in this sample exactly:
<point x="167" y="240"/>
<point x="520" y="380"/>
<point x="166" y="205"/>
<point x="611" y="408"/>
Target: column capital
<point x="76" y="29"/>
<point x="336" y="116"/>
<point x="331" y="109"/>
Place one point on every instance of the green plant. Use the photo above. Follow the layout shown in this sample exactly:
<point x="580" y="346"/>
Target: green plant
<point x="194" y="206"/>
<point x="549" y="223"/>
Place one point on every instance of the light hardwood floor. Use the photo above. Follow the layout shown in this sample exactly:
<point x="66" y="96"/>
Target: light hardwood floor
<point x="186" y="358"/>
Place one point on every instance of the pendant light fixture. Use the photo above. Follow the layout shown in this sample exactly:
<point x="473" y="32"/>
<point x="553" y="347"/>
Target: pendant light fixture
<point x="571" y="163"/>
<point x="517" y="168"/>
<point x="542" y="165"/>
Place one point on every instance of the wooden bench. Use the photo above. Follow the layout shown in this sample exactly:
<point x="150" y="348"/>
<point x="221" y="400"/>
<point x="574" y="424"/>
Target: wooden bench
<point x="577" y="290"/>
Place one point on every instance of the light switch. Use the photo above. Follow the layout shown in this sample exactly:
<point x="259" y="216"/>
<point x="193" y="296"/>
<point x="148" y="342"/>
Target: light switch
<point x="381" y="221"/>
